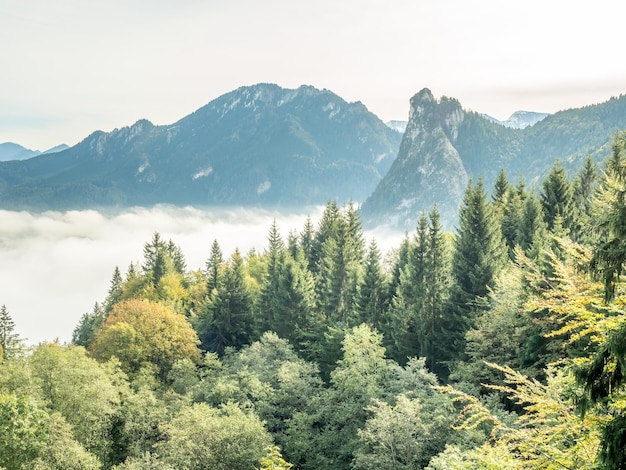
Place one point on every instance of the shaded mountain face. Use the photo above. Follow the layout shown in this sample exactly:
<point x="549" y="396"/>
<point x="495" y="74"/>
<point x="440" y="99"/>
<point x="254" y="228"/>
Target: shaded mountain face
<point x="444" y="146"/>
<point x="260" y="145"/>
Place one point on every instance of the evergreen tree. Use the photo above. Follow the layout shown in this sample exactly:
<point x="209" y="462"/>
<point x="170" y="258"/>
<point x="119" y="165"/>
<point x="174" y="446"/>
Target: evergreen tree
<point x="479" y="255"/>
<point x="232" y="316"/>
<point x="556" y="197"/>
<point x="339" y="264"/>
<point x="177" y="258"/>
<point x="307" y="238"/>
<point x="372" y="290"/>
<point x="89" y="325"/>
<point x="292" y="243"/>
<point x="532" y="230"/>
<point x="213" y="267"/>
<point x="115" y="290"/>
<point x="328" y="227"/>
<point x="154" y="266"/>
<point x="434" y="324"/>
<point x="407" y="305"/>
<point x="269" y="302"/>
<point x="609" y="255"/>
<point x="10" y="343"/>
<point x="584" y="188"/>
<point x="402" y="259"/>
<point x="500" y="189"/>
<point x="295" y="317"/>
<point x="512" y="213"/>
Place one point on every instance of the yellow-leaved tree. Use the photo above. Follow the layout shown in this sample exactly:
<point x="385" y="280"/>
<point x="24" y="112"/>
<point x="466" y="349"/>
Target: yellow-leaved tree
<point x="143" y="333"/>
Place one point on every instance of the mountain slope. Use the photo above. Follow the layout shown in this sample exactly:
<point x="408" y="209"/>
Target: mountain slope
<point x="445" y="145"/>
<point x="258" y="145"/>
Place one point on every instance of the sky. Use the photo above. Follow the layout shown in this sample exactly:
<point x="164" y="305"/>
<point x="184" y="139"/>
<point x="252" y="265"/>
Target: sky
<point x="70" y="67"/>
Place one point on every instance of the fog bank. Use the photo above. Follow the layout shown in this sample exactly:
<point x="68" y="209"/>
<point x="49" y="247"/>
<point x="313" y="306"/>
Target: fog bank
<point x="54" y="266"/>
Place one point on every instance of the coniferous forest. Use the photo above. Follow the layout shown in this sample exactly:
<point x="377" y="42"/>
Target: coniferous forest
<point x="500" y="345"/>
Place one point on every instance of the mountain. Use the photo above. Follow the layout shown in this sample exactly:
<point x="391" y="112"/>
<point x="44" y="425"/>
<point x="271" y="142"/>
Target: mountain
<point x="258" y="145"/>
<point x="445" y="145"/>
<point x="10" y="151"/>
<point x="519" y="119"/>
<point x="399" y="126"/>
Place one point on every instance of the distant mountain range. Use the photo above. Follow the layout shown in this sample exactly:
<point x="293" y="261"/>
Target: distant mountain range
<point x="266" y="146"/>
<point x="10" y="151"/>
<point x="519" y="119"/>
<point x="260" y="145"/>
<point x="445" y="145"/>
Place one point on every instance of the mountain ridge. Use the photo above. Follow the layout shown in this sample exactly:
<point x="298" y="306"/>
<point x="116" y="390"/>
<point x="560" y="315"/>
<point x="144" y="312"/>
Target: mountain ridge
<point x="478" y="147"/>
<point x="257" y="145"/>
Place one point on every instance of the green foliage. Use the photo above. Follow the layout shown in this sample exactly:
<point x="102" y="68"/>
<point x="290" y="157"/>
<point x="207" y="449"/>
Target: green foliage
<point x="87" y="394"/>
<point x="61" y="450"/>
<point x="402" y="436"/>
<point x="201" y="437"/>
<point x="23" y="431"/>
<point x="273" y="460"/>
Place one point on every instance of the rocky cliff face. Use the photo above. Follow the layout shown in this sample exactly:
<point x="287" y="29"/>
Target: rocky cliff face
<point x="428" y="168"/>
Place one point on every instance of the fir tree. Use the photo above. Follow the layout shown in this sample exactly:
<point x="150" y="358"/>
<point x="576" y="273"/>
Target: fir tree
<point x="500" y="188"/>
<point x="89" y="325"/>
<point x="556" y="197"/>
<point x="434" y="324"/>
<point x="372" y="290"/>
<point x="512" y="214"/>
<point x="10" y="343"/>
<point x="407" y="305"/>
<point x="269" y="291"/>
<point x="213" y="267"/>
<point x="479" y="255"/>
<point x="532" y="230"/>
<point x="231" y="316"/>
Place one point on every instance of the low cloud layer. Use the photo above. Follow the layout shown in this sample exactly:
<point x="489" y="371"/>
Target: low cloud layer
<point x="55" y="266"/>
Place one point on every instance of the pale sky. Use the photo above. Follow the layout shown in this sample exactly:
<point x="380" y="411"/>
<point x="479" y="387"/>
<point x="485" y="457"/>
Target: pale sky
<point x="70" y="67"/>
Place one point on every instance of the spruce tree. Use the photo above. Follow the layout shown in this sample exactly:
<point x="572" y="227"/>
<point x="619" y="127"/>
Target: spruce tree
<point x="407" y="304"/>
<point x="232" y="319"/>
<point x="306" y="242"/>
<point x="268" y="304"/>
<point x="154" y="255"/>
<point x="401" y="260"/>
<point x="434" y="323"/>
<point x="480" y="253"/>
<point x="372" y="290"/>
<point x="512" y="214"/>
<point x="295" y="317"/>
<point x="532" y="230"/>
<point x="89" y="325"/>
<point x="10" y="343"/>
<point x="584" y="188"/>
<point x="213" y="267"/>
<point x="556" y="197"/>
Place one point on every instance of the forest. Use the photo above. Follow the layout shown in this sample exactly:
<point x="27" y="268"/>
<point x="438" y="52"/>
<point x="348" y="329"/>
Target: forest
<point x="498" y="346"/>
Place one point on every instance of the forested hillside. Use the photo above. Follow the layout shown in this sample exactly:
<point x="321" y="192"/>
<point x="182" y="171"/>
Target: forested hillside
<point x="498" y="346"/>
